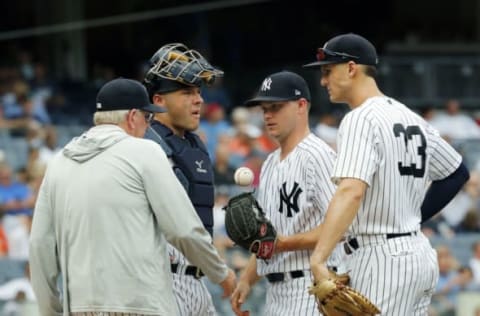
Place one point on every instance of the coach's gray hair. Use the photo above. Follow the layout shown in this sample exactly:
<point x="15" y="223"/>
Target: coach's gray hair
<point x="110" y="117"/>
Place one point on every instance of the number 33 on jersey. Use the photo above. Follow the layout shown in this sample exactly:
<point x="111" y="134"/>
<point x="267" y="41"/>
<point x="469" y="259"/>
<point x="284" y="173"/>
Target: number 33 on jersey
<point x="397" y="154"/>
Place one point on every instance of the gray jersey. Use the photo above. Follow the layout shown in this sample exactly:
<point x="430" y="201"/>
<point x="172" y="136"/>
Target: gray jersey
<point x="294" y="193"/>
<point x="397" y="154"/>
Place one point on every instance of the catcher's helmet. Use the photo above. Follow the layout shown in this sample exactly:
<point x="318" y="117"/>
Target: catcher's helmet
<point x="174" y="66"/>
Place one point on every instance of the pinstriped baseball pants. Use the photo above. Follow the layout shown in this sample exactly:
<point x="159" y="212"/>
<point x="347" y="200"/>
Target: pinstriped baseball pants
<point x="291" y="298"/>
<point x="192" y="296"/>
<point x="399" y="275"/>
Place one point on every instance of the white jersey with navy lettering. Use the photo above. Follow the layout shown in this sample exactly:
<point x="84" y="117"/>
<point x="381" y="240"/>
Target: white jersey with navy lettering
<point x="294" y="193"/>
<point x="397" y="154"/>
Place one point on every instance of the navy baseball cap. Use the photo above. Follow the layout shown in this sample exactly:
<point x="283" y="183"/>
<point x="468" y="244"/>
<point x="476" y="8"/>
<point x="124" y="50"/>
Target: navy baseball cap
<point x="281" y="86"/>
<point x="125" y="94"/>
<point x="344" y="48"/>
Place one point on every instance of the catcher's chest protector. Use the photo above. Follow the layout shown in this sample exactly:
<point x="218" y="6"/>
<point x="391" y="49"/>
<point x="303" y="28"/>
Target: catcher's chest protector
<point x="192" y="167"/>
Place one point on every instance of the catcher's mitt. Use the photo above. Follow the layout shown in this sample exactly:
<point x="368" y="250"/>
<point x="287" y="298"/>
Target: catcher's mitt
<point x="336" y="299"/>
<point x="248" y="227"/>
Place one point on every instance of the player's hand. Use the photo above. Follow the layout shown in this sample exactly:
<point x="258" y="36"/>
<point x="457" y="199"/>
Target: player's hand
<point x="239" y="297"/>
<point x="319" y="269"/>
<point x="229" y="283"/>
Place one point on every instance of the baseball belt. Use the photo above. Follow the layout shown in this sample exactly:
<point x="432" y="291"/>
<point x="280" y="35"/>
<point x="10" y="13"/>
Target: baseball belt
<point x="189" y="270"/>
<point x="352" y="243"/>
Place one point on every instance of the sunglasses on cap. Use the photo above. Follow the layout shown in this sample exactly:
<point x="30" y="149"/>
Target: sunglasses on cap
<point x="326" y="54"/>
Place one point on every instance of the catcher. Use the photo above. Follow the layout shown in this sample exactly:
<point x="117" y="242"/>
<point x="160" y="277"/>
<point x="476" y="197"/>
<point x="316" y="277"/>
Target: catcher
<point x="174" y="82"/>
<point x="294" y="192"/>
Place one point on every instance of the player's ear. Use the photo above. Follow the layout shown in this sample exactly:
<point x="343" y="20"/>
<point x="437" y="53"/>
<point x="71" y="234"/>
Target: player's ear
<point x="352" y="68"/>
<point x="302" y="105"/>
<point x="130" y="119"/>
<point x="158" y="99"/>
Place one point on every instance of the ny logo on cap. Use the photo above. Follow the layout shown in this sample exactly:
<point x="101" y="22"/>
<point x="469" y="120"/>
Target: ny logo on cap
<point x="99" y="105"/>
<point x="266" y="84"/>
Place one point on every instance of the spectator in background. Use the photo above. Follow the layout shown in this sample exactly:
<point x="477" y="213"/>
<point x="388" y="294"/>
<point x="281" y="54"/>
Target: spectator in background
<point x="427" y="112"/>
<point x="243" y="118"/>
<point x="28" y="111"/>
<point x="464" y="202"/>
<point x="50" y="145"/>
<point x="474" y="263"/>
<point x="3" y="243"/>
<point x="46" y="93"/>
<point x="11" y="106"/>
<point x="222" y="170"/>
<point x="16" y="202"/>
<point x="239" y="117"/>
<point x="15" y="197"/>
<point x="221" y="240"/>
<point x="102" y="74"/>
<point x="23" y="104"/>
<point x="452" y="280"/>
<point x="453" y="124"/>
<point x="471" y="220"/>
<point x="217" y="93"/>
<point x="244" y="143"/>
<point x="17" y="293"/>
<point x="212" y="126"/>
<point x="327" y="129"/>
<point x="245" y="150"/>
<point x="25" y="65"/>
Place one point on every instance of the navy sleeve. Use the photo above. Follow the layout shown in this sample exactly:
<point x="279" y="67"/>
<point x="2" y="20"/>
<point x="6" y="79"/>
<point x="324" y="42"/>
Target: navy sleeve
<point x="441" y="192"/>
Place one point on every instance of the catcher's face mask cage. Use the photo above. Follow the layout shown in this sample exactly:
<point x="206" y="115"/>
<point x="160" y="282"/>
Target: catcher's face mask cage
<point x="178" y="63"/>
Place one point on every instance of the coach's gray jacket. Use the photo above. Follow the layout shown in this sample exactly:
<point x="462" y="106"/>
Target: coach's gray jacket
<point x="106" y="207"/>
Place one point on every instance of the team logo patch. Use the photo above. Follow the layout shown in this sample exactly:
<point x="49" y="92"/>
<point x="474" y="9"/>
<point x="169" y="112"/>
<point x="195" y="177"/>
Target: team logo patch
<point x="266" y="250"/>
<point x="266" y="84"/>
<point x="289" y="200"/>
<point x="199" y="164"/>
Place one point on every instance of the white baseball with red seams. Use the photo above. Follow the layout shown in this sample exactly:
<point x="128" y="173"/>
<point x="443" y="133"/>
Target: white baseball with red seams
<point x="243" y="176"/>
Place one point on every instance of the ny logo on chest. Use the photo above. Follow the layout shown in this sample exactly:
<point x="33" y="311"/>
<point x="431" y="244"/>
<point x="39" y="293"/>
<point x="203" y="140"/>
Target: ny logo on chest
<point x="289" y="200"/>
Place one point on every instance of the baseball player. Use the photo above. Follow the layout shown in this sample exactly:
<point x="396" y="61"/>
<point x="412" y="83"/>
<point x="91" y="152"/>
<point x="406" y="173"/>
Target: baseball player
<point x="387" y="156"/>
<point x="294" y="192"/>
<point x="174" y="82"/>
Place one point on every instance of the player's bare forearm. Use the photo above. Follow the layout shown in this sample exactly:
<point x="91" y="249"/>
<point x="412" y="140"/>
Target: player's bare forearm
<point x="249" y="273"/>
<point x="301" y="241"/>
<point x="340" y="214"/>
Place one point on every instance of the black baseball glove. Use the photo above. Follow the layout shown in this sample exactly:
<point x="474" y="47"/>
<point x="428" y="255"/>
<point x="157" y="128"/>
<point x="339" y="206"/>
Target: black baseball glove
<point x="248" y="227"/>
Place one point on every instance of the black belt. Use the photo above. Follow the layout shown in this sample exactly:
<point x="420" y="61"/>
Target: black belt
<point x="353" y="243"/>
<point x="279" y="277"/>
<point x="189" y="270"/>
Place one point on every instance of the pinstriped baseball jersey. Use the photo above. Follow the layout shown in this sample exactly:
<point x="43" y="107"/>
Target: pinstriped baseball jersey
<point x="397" y="154"/>
<point x="294" y="193"/>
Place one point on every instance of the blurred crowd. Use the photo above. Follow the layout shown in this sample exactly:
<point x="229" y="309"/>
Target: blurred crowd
<point x="39" y="114"/>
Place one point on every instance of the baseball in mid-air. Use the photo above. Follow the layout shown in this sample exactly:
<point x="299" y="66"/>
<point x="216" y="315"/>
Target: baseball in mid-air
<point x="243" y="176"/>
